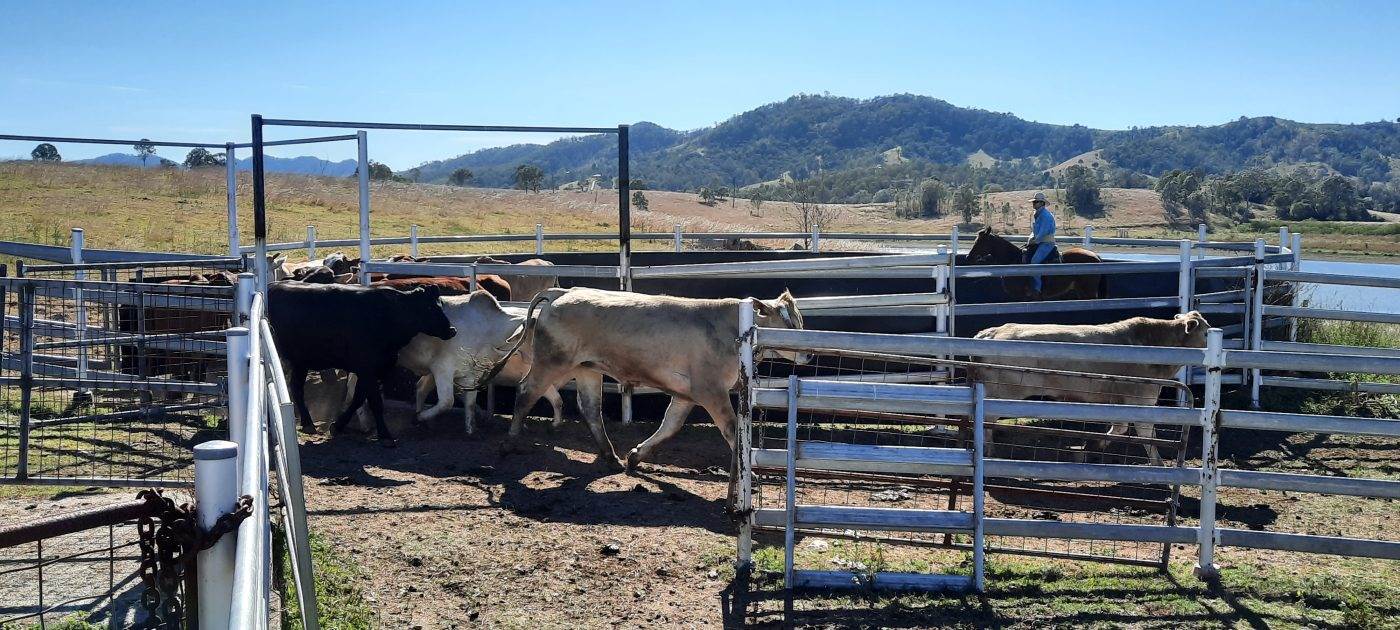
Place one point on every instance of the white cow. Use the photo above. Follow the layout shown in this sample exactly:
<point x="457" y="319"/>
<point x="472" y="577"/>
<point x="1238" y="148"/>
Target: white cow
<point x="486" y="331"/>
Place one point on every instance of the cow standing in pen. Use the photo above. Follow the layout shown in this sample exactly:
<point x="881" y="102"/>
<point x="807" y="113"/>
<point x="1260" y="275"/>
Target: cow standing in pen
<point x="352" y="328"/>
<point x="1187" y="330"/>
<point x="524" y="288"/>
<point x="685" y="347"/>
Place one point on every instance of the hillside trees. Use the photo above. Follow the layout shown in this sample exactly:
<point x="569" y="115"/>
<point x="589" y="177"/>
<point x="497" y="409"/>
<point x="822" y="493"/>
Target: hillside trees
<point x="45" y="152"/>
<point x="965" y="203"/>
<point x="528" y="177"/>
<point x="639" y="200"/>
<point x="932" y="193"/>
<point x="1082" y="192"/>
<point x="200" y="157"/>
<point x="461" y="177"/>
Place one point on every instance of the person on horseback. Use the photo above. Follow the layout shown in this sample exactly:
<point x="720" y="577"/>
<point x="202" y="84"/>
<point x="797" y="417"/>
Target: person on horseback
<point x="1040" y="245"/>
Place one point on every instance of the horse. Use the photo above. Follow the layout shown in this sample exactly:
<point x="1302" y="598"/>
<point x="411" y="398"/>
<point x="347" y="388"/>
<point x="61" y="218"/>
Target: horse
<point x="990" y="249"/>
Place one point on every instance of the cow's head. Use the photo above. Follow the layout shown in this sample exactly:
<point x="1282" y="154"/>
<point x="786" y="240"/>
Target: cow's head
<point x="1191" y="328"/>
<point x="422" y="308"/>
<point x="781" y="312"/>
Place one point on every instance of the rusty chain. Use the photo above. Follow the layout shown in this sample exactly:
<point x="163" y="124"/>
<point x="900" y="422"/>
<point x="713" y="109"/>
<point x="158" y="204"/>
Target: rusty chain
<point x="169" y="539"/>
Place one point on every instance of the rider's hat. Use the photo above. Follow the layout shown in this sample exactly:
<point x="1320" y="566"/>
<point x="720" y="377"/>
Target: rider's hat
<point x="1040" y="196"/>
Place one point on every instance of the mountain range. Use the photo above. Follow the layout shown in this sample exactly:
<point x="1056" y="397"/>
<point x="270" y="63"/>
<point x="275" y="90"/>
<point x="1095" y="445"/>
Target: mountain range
<point x="807" y="134"/>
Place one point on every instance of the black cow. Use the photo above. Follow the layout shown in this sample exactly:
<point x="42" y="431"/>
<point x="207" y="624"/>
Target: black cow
<point x="352" y="328"/>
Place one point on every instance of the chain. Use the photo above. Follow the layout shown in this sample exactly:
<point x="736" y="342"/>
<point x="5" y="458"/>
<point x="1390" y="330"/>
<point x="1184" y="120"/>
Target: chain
<point x="168" y="550"/>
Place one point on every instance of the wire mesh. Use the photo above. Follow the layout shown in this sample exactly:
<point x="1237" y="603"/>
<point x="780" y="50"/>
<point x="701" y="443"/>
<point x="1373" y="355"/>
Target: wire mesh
<point x="110" y="380"/>
<point x="92" y="575"/>
<point x="1019" y="439"/>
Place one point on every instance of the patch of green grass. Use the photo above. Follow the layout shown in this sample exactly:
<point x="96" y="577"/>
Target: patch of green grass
<point x="339" y="602"/>
<point x="75" y="621"/>
<point x="1326" y="227"/>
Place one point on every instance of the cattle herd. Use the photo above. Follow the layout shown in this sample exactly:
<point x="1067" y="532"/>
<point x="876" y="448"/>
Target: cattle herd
<point x="453" y="338"/>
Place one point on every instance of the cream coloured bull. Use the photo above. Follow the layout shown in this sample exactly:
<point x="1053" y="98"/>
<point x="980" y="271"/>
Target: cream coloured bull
<point x="1186" y="330"/>
<point x="486" y="331"/>
<point x="685" y="347"/>
<point x="524" y="288"/>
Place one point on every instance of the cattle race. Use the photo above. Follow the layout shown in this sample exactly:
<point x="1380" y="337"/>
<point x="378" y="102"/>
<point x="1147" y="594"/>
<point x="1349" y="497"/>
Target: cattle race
<point x="965" y="423"/>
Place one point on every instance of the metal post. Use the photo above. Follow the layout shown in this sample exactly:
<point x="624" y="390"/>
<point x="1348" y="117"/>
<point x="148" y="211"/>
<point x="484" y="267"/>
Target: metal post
<point x="243" y="298"/>
<point x="76" y="250"/>
<point x="951" y="281"/>
<point x="1283" y="238"/>
<point x="979" y="580"/>
<point x="539" y="239"/>
<point x="1201" y="238"/>
<point x="1088" y="236"/>
<point x="624" y="205"/>
<point x="1295" y="296"/>
<point x="678" y="238"/>
<point x="744" y="440"/>
<point x="1256" y="315"/>
<point x="26" y="375"/>
<point x="231" y="183"/>
<point x="311" y="242"/>
<point x="1207" y="537"/>
<point x="295" y="508"/>
<point x="816" y="237"/>
<point x="1185" y="290"/>
<point x="363" y="161"/>
<point x="790" y="525"/>
<point x="259" y="204"/>
<point x="940" y="286"/>
<point x="413" y="240"/>
<point x="239" y="347"/>
<point x="216" y="494"/>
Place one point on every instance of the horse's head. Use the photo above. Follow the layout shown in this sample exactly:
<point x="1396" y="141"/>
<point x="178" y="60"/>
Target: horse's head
<point x="990" y="249"/>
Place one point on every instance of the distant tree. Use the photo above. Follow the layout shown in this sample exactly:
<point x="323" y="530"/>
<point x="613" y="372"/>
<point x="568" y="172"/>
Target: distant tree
<point x="639" y="201"/>
<point x="414" y="174"/>
<point x="1082" y="192"/>
<point x="200" y="157"/>
<point x="1007" y="215"/>
<point x="756" y="200"/>
<point x="805" y="212"/>
<point x="965" y="202"/>
<point x="380" y="171"/>
<point x="164" y="163"/>
<point x="144" y="149"/>
<point x="707" y="196"/>
<point x="932" y="193"/>
<point x="637" y="184"/>
<point x="461" y="177"/>
<point x="45" y="152"/>
<point x="528" y="177"/>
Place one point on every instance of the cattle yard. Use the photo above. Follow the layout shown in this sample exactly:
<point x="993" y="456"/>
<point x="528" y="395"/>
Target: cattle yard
<point x="883" y="464"/>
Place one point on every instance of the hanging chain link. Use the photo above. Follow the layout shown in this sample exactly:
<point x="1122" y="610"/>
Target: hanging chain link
<point x="169" y="540"/>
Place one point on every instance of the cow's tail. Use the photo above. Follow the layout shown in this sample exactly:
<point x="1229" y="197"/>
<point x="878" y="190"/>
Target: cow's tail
<point x="525" y="332"/>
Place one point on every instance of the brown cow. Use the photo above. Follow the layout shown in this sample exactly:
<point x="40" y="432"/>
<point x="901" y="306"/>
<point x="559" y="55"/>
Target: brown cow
<point x="494" y="285"/>
<point x="524" y="288"/>
<point x="685" y="347"/>
<point x="1186" y="330"/>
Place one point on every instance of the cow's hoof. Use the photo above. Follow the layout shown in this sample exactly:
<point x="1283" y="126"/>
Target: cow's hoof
<point x="609" y="461"/>
<point x="634" y="457"/>
<point x="310" y="429"/>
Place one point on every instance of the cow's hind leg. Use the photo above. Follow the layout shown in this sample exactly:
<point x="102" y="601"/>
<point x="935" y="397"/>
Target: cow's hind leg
<point x="530" y="389"/>
<point x="375" y="396"/>
<point x="676" y="414"/>
<point x="442" y="377"/>
<point x="298" y="392"/>
<point x="590" y="400"/>
<point x="1149" y="431"/>
<point x="557" y="402"/>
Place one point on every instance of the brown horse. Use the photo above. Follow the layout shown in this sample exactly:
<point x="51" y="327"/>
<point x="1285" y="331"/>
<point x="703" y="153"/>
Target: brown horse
<point x="990" y="249"/>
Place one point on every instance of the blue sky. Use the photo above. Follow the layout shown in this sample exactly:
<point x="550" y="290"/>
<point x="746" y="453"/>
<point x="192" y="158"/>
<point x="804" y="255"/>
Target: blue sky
<point x="181" y="72"/>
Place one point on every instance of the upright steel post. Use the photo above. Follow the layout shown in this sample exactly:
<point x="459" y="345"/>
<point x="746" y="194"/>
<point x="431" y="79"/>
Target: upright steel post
<point x="26" y="375"/>
<point x="413" y="240"/>
<point x="1256" y="332"/>
<point x="1185" y="291"/>
<point x="816" y="237"/>
<point x="539" y="239"/>
<point x="677" y="238"/>
<point x="239" y="347"/>
<point x="76" y="251"/>
<point x="979" y="438"/>
<point x="743" y="441"/>
<point x="624" y="226"/>
<point x="361" y="142"/>
<point x="216" y="494"/>
<point x="259" y="204"/>
<point x="1088" y="236"/>
<point x="790" y="523"/>
<point x="231" y="184"/>
<point x="1207" y="536"/>
<point x="1295" y="296"/>
<point x="243" y="298"/>
<point x="311" y="242"/>
<point x="952" y="281"/>
<point x="1283" y="238"/>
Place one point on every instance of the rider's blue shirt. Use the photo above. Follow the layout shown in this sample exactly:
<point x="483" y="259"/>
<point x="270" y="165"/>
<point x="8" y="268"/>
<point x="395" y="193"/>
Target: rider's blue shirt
<point x="1043" y="229"/>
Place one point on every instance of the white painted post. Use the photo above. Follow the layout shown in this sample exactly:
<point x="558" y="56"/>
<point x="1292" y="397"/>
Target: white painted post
<point x="678" y="237"/>
<point x="1185" y="290"/>
<point x="816" y="237"/>
<point x="1256" y="332"/>
<point x="539" y="239"/>
<point x="1088" y="236"/>
<point x="1295" y="296"/>
<point x="744" y="440"/>
<point x="413" y="240"/>
<point x="231" y="184"/>
<point x="1207" y="536"/>
<point x="1201" y="238"/>
<point x="216" y="494"/>
<point x="76" y="251"/>
<point x="950" y="280"/>
<point x="940" y="286"/>
<point x="362" y="142"/>
<point x="790" y="525"/>
<point x="953" y="240"/>
<point x="239" y="348"/>
<point x="1283" y="238"/>
<point x="311" y="242"/>
<point x="979" y="438"/>
<point x="243" y="298"/>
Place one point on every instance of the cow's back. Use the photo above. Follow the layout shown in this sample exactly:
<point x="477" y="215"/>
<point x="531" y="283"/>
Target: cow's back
<point x="332" y="326"/>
